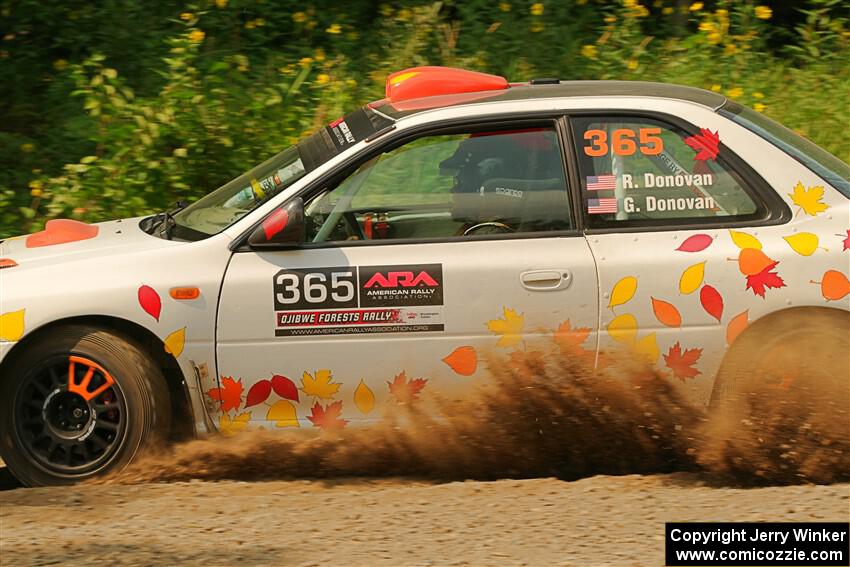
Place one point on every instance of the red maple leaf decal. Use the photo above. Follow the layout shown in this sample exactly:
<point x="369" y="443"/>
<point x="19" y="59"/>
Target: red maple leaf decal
<point x="404" y="390"/>
<point x="706" y="144"/>
<point x="327" y="417"/>
<point x="230" y="393"/>
<point x="681" y="363"/>
<point x="846" y="242"/>
<point x="764" y="279"/>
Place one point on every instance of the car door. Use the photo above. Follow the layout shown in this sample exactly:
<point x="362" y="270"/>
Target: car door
<point x="435" y="251"/>
<point x="674" y="219"/>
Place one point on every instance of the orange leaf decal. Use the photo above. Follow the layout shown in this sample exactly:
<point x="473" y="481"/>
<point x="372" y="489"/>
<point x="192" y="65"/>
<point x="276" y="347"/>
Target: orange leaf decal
<point x="736" y="326"/>
<point x="706" y="144"/>
<point x="666" y="313"/>
<point x="681" y="363"/>
<point x="463" y="360"/>
<point x="327" y="417"/>
<point x="509" y="327"/>
<point x="834" y="285"/>
<point x="752" y="261"/>
<point x="711" y="301"/>
<point x="258" y="393"/>
<point x="567" y="337"/>
<point x="765" y="279"/>
<point x="230" y="393"/>
<point x="404" y="390"/>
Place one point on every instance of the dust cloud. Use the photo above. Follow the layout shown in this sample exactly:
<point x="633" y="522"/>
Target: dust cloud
<point x="547" y="413"/>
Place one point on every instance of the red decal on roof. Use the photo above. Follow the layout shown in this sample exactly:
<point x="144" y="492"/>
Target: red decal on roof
<point x="419" y="82"/>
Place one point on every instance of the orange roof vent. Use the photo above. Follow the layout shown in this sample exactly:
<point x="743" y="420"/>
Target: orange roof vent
<point x="419" y="82"/>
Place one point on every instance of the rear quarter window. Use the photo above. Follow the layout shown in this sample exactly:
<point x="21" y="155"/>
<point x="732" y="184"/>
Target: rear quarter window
<point x="644" y="171"/>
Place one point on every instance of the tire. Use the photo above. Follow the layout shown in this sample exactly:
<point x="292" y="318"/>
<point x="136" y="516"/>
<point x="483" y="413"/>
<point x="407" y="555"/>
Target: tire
<point x="780" y="410"/>
<point x="54" y="431"/>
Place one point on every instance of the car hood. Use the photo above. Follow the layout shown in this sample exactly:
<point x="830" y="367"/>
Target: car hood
<point x="64" y="240"/>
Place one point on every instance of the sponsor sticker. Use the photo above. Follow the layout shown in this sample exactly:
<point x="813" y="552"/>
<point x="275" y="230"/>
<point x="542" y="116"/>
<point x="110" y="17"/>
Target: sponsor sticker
<point x="358" y="299"/>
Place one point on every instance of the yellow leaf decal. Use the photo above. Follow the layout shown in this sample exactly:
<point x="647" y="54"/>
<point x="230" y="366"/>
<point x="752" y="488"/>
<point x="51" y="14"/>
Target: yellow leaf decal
<point x="283" y="414"/>
<point x="743" y="240"/>
<point x="233" y="426"/>
<point x="692" y="278"/>
<point x="623" y="328"/>
<point x="804" y="243"/>
<point x="623" y="291"/>
<point x="175" y="341"/>
<point x="12" y="325"/>
<point x="322" y="386"/>
<point x="509" y="326"/>
<point x="364" y="399"/>
<point x="648" y="347"/>
<point x="808" y="199"/>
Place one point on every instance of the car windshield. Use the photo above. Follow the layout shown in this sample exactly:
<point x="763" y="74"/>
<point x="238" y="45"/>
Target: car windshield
<point x="823" y="163"/>
<point x="218" y="210"/>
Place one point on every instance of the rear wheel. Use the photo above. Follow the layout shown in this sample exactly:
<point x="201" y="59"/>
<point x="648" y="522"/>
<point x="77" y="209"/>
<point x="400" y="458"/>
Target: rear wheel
<point x="781" y="406"/>
<point x="80" y="402"/>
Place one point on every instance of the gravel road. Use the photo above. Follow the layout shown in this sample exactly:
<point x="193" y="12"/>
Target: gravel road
<point x="602" y="520"/>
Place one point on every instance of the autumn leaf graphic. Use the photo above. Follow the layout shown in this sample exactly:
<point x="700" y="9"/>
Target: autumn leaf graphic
<point x="509" y="327"/>
<point x="706" y="144"/>
<point x="682" y="362"/>
<point x="765" y="279"/>
<point x="406" y="390"/>
<point x="570" y="341"/>
<point x="809" y="200"/>
<point x="568" y="338"/>
<point x="322" y="386"/>
<point x="258" y="393"/>
<point x="233" y="426"/>
<point x="846" y="241"/>
<point x="695" y="243"/>
<point x="327" y="417"/>
<point x="463" y="360"/>
<point x="284" y="387"/>
<point x="230" y="393"/>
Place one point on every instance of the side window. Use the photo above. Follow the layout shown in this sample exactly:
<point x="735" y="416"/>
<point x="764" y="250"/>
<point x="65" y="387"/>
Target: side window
<point x="642" y="171"/>
<point x="446" y="186"/>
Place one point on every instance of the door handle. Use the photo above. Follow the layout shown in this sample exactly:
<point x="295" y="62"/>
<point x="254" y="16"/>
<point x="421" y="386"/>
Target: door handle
<point x="546" y="280"/>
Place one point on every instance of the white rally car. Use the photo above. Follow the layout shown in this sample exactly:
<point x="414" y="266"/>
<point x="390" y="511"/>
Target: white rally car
<point x="386" y="253"/>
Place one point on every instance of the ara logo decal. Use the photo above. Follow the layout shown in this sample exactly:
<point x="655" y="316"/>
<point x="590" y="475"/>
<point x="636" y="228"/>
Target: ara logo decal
<point x="401" y="286"/>
<point x="401" y="279"/>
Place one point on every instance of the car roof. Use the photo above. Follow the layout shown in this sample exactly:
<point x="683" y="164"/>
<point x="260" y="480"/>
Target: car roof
<point x="553" y="89"/>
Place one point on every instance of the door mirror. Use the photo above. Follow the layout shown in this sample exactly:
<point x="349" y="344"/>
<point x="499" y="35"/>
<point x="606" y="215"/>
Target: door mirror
<point x="282" y="227"/>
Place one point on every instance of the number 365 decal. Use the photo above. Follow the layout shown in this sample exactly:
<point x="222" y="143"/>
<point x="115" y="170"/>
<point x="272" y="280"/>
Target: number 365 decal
<point x="624" y="142"/>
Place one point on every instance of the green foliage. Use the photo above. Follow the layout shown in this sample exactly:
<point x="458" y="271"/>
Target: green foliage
<point x="120" y="108"/>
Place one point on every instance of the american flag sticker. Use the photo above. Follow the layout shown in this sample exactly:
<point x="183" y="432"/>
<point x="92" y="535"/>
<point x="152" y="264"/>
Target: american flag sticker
<point x="601" y="182"/>
<point x="601" y="206"/>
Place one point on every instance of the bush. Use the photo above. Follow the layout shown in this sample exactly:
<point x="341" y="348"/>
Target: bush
<point x="218" y="87"/>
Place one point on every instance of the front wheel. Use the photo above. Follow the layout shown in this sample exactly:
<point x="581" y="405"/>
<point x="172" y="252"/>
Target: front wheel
<point x="79" y="403"/>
